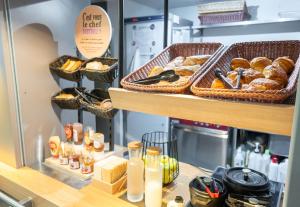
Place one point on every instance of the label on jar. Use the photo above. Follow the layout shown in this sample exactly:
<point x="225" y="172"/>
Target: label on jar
<point x="74" y="164"/>
<point x="86" y="169"/>
<point x="63" y="160"/>
<point x="75" y="135"/>
<point x="97" y="144"/>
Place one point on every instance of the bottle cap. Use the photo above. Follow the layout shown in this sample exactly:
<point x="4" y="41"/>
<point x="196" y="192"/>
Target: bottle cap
<point x="267" y="152"/>
<point x="153" y="151"/>
<point x="274" y="159"/>
<point x="135" y="145"/>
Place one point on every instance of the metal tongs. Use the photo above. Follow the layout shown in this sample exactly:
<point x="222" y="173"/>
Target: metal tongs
<point x="226" y="81"/>
<point x="84" y="94"/>
<point x="205" y="182"/>
<point x="168" y="75"/>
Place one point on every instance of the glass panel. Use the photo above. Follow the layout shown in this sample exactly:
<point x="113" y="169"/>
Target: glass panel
<point x="144" y="30"/>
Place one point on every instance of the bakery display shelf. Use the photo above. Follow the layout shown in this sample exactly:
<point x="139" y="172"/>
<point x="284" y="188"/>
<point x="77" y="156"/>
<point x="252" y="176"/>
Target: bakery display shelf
<point x="269" y="118"/>
<point x="240" y="23"/>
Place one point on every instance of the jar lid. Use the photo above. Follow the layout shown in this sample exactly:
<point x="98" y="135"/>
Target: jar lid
<point x="134" y="145"/>
<point x="153" y="151"/>
<point x="245" y="179"/>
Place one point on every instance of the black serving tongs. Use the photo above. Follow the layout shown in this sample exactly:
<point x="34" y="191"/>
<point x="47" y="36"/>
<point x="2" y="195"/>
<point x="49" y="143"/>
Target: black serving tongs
<point x="168" y="75"/>
<point x="226" y="81"/>
<point x="83" y="94"/>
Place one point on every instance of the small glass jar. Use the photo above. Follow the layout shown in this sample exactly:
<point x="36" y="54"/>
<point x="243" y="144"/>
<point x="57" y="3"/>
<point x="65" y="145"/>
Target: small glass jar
<point x="98" y="142"/>
<point x="77" y="133"/>
<point x="69" y="132"/>
<point x="87" y="165"/>
<point x="89" y="137"/>
<point x="64" y="153"/>
<point x="74" y="159"/>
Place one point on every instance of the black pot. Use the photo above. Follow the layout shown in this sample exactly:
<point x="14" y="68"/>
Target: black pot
<point x="246" y="181"/>
<point x="199" y="198"/>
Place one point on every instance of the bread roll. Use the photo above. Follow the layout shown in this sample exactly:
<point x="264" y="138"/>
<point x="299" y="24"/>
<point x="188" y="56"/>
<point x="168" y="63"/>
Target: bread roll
<point x="285" y="63"/>
<point x="178" y="61"/>
<point x="218" y="84"/>
<point x="263" y="84"/>
<point x="186" y="70"/>
<point x="239" y="63"/>
<point x="259" y="63"/>
<point x="248" y="76"/>
<point x="196" y="60"/>
<point x="156" y="70"/>
<point x="276" y="73"/>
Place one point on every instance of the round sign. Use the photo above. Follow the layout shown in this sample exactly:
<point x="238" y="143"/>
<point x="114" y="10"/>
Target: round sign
<point x="93" y="32"/>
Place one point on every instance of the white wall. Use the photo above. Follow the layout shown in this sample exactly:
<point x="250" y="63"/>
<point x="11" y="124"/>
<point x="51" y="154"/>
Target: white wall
<point x="52" y="23"/>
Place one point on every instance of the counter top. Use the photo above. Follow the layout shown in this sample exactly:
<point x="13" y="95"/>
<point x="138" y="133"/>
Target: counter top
<point x="46" y="191"/>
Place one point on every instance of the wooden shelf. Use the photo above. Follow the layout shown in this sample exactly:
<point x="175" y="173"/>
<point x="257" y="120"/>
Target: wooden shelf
<point x="269" y="118"/>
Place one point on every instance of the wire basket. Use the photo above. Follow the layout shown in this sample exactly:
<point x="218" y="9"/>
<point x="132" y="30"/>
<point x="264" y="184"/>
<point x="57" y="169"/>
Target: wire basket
<point x="169" y="158"/>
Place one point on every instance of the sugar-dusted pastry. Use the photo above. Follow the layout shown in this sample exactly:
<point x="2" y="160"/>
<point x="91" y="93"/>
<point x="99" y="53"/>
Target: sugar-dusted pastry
<point x="276" y="73"/>
<point x="186" y="70"/>
<point x="248" y="76"/>
<point x="285" y="63"/>
<point x="178" y="61"/>
<point x="196" y="60"/>
<point x="263" y="84"/>
<point x="94" y="65"/>
<point x="156" y="70"/>
<point x="259" y="63"/>
<point x="239" y="63"/>
<point x="218" y="84"/>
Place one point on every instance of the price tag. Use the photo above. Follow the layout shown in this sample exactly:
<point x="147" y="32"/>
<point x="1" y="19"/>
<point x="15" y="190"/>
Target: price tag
<point x="93" y="32"/>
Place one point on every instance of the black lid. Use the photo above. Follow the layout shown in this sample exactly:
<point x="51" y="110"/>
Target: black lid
<point x="178" y="199"/>
<point x="246" y="180"/>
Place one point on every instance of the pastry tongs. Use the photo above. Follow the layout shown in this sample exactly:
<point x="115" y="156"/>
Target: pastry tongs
<point x="168" y="75"/>
<point x="226" y="81"/>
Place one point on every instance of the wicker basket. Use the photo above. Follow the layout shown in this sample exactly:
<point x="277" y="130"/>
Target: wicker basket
<point x="249" y="50"/>
<point x="101" y="93"/>
<point x="106" y="76"/>
<point x="67" y="103"/>
<point x="100" y="112"/>
<point x="173" y="51"/>
<point x="56" y="65"/>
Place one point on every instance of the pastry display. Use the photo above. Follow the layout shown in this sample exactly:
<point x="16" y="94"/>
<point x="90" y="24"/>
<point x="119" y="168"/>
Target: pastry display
<point x="239" y="63"/>
<point x="285" y="63"/>
<point x="263" y="84"/>
<point x="248" y="76"/>
<point x="64" y="96"/>
<point x="184" y="67"/>
<point x="260" y="75"/>
<point x="196" y="60"/>
<point x="96" y="65"/>
<point x="71" y="65"/>
<point x="259" y="63"/>
<point x="276" y="73"/>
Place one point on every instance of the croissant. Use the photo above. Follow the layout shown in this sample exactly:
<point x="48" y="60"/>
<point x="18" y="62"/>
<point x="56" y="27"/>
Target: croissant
<point x="285" y="63"/>
<point x="277" y="74"/>
<point x="259" y="63"/>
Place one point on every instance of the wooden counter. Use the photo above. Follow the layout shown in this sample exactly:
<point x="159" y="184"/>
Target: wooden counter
<point x="46" y="191"/>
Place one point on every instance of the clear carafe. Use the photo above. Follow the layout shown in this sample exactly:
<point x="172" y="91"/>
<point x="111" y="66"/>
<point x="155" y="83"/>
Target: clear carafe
<point x="135" y="172"/>
<point x="153" y="178"/>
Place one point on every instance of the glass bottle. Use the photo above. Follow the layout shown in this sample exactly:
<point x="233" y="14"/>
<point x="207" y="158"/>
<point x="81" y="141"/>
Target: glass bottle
<point x="88" y="161"/>
<point x="64" y="153"/>
<point x="74" y="160"/>
<point x="69" y="132"/>
<point x="98" y="142"/>
<point x="89" y="137"/>
<point x="153" y="178"/>
<point x="77" y="133"/>
<point x="135" y="172"/>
